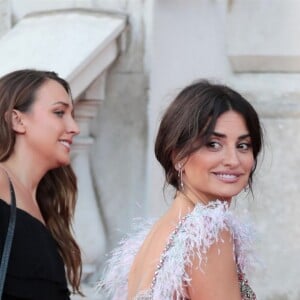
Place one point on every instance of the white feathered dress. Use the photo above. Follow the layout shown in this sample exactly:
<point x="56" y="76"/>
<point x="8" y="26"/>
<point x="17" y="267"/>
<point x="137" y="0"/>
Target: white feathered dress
<point x="193" y="235"/>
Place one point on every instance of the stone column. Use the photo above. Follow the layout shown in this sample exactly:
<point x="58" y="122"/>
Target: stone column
<point x="89" y="227"/>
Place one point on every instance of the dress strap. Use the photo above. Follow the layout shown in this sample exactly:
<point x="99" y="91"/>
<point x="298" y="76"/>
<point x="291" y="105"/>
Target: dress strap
<point x="164" y="253"/>
<point x="9" y="237"/>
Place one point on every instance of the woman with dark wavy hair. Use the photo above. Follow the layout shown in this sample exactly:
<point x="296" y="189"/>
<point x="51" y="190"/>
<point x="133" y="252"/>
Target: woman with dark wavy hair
<point x="207" y="143"/>
<point x="36" y="131"/>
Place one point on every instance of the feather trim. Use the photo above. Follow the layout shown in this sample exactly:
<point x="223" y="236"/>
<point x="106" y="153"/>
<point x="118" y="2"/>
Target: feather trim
<point x="114" y="282"/>
<point x="199" y="230"/>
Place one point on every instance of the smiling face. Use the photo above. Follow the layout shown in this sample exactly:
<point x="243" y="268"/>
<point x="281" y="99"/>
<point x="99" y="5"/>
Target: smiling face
<point x="221" y="168"/>
<point x="49" y="126"/>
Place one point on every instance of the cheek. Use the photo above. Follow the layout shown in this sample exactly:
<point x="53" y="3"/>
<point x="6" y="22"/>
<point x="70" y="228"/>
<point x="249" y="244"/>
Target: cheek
<point x="249" y="163"/>
<point x="198" y="164"/>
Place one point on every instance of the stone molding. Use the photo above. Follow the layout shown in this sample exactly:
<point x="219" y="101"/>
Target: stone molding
<point x="277" y="109"/>
<point x="273" y="95"/>
<point x="263" y="36"/>
<point x="78" y="44"/>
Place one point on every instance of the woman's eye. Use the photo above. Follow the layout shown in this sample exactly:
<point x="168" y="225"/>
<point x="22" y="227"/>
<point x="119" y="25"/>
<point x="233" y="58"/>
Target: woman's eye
<point x="59" y="113"/>
<point x="214" y="145"/>
<point x="244" y="146"/>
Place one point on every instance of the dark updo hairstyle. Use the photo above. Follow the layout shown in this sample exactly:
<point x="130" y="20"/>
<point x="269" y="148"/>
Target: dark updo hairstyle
<point x="191" y="118"/>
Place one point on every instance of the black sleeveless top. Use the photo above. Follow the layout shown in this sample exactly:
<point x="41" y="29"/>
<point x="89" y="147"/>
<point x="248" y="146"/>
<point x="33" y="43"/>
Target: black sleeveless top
<point x="35" y="269"/>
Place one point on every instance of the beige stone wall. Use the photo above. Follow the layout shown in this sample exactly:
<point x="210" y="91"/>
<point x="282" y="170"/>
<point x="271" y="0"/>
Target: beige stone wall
<point x="275" y="208"/>
<point x="266" y="56"/>
<point x="277" y="211"/>
<point x="250" y="45"/>
<point x="121" y="128"/>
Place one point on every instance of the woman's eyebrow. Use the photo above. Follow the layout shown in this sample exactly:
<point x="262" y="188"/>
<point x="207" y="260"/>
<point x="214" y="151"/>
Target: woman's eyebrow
<point x="65" y="104"/>
<point x="62" y="103"/>
<point x="222" y="135"/>
<point x="244" y="136"/>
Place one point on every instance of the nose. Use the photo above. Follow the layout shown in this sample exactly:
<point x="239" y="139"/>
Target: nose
<point x="73" y="126"/>
<point x="231" y="157"/>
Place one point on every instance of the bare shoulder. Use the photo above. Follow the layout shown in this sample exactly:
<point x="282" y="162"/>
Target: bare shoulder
<point x="215" y="277"/>
<point x="149" y="254"/>
<point x="4" y="186"/>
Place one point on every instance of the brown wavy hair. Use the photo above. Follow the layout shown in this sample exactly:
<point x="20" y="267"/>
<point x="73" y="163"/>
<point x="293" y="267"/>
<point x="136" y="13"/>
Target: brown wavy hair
<point x="57" y="190"/>
<point x="191" y="118"/>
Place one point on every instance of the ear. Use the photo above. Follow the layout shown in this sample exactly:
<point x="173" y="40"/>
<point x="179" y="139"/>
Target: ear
<point x="17" y="121"/>
<point x="179" y="165"/>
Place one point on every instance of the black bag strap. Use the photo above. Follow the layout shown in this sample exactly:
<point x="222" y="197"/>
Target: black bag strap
<point x="9" y="238"/>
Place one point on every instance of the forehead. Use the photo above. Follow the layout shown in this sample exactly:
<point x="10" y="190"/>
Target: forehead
<point x="51" y="92"/>
<point x="231" y="121"/>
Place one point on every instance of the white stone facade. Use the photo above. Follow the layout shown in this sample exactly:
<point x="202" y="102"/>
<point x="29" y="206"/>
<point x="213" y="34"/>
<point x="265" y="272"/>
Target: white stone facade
<point x="253" y="46"/>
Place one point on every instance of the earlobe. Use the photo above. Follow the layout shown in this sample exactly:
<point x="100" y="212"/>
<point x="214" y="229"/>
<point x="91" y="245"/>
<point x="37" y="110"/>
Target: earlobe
<point x="17" y="121"/>
<point x="178" y="166"/>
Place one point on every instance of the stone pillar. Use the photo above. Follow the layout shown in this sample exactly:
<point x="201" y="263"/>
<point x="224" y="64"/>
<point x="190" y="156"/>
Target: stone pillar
<point x="89" y="227"/>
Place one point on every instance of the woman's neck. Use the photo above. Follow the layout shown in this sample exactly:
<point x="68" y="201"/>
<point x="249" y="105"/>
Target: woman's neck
<point x="22" y="172"/>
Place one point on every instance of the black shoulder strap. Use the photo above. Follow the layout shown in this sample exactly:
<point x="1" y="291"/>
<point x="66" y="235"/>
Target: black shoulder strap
<point x="9" y="238"/>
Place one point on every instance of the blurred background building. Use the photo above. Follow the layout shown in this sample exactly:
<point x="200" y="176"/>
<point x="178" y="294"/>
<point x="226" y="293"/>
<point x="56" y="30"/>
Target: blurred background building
<point x="125" y="60"/>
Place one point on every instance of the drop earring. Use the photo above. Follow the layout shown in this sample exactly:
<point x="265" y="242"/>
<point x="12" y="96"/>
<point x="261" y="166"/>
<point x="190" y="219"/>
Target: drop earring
<point x="179" y="168"/>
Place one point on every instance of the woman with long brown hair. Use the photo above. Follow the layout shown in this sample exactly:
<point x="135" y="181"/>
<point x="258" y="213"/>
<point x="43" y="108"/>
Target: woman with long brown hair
<point x="36" y="131"/>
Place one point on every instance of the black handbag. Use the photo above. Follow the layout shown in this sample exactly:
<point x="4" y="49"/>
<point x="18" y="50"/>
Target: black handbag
<point x="8" y="239"/>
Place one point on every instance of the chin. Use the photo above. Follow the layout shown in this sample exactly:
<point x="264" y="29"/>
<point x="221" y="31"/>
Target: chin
<point x="62" y="163"/>
<point x="65" y="161"/>
<point x="227" y="196"/>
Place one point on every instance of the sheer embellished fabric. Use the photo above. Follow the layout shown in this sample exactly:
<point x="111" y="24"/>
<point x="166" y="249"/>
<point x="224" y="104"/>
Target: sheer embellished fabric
<point x="193" y="235"/>
<point x="144" y="296"/>
<point x="246" y="291"/>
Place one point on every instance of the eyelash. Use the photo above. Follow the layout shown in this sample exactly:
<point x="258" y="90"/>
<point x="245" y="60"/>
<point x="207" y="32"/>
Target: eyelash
<point x="216" y="146"/>
<point x="213" y="145"/>
<point x="59" y="113"/>
<point x="247" y="146"/>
